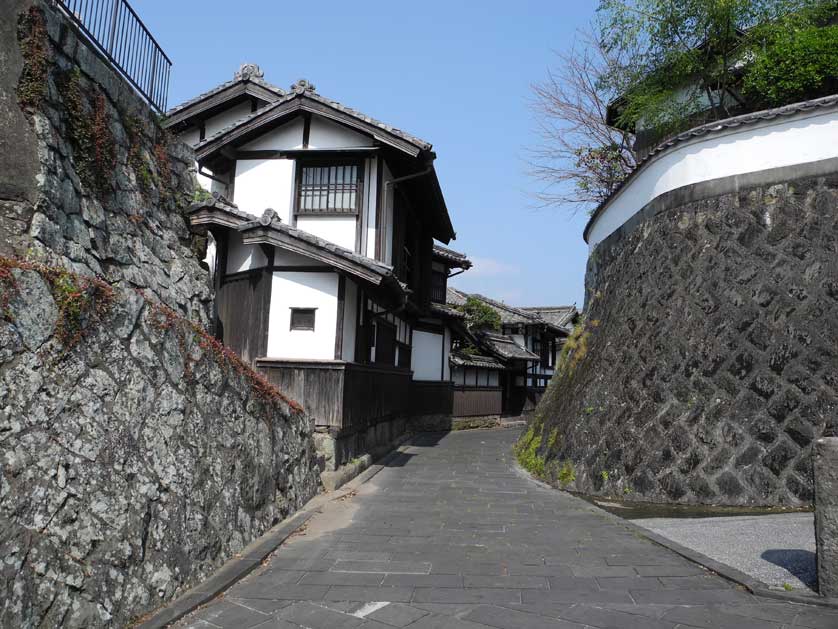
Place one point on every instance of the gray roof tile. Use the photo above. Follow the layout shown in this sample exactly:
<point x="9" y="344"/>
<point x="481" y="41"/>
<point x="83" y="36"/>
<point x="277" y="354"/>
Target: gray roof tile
<point x="459" y="359"/>
<point x="506" y="347"/>
<point x="559" y="316"/>
<point x="243" y="75"/>
<point x="453" y="258"/>
<point x="304" y="88"/>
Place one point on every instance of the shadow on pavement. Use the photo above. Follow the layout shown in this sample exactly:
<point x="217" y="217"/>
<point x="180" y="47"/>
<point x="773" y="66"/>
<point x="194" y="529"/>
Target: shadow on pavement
<point x="800" y="563"/>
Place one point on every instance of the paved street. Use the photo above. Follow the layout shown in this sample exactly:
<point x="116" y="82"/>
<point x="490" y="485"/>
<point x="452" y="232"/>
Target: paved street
<point x="450" y="536"/>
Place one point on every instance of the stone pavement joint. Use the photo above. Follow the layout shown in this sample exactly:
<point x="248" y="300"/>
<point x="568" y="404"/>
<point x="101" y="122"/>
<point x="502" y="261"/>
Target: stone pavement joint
<point x="451" y="536"/>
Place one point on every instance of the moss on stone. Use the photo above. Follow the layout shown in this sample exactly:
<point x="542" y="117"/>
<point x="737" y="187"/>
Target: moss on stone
<point x="566" y="473"/>
<point x="526" y="451"/>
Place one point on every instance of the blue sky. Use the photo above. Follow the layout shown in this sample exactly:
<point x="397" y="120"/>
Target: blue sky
<point x="455" y="73"/>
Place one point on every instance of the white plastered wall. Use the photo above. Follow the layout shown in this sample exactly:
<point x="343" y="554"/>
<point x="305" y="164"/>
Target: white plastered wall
<point x="350" y="320"/>
<point x="295" y="289"/>
<point x="241" y="257"/>
<point x="325" y="134"/>
<point x="269" y="183"/>
<point x="339" y="230"/>
<point x="446" y="348"/>
<point x="286" y="137"/>
<point x="265" y="183"/>
<point x="370" y="197"/>
<point x="783" y="141"/>
<point x="427" y="353"/>
<point x="226" y="118"/>
<point x="387" y="216"/>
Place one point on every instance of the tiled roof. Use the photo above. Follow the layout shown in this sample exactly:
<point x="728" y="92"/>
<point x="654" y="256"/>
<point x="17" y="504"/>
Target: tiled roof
<point x="446" y="311"/>
<point x="508" y="314"/>
<point x="451" y="258"/>
<point x="556" y="317"/>
<point x="221" y="212"/>
<point x="248" y="72"/>
<point x="825" y="102"/>
<point x="274" y="224"/>
<point x="303" y="88"/>
<point x="506" y="347"/>
<point x="459" y="359"/>
<point x="455" y="297"/>
<point x="559" y="316"/>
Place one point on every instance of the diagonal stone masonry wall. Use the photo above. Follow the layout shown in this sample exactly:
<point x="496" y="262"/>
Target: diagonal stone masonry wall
<point x="140" y="457"/>
<point x="710" y="353"/>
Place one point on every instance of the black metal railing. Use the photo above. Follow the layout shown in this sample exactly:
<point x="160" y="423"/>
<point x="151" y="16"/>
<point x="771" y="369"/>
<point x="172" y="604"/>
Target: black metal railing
<point x="115" y="28"/>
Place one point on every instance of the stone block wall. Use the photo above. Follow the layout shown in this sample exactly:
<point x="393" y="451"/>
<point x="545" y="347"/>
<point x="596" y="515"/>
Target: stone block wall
<point x="136" y="454"/>
<point x="88" y="179"/>
<point x="135" y="461"/>
<point x="707" y="362"/>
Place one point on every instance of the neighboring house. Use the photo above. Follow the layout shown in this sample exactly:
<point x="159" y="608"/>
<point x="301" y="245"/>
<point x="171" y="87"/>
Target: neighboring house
<point x="506" y="371"/>
<point x="326" y="274"/>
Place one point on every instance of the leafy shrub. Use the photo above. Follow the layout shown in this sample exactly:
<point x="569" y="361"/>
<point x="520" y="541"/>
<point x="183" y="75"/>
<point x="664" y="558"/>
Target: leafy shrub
<point x="798" y="64"/>
<point x="480" y="316"/>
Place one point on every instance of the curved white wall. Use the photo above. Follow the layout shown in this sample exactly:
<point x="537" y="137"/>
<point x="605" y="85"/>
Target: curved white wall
<point x="784" y="141"/>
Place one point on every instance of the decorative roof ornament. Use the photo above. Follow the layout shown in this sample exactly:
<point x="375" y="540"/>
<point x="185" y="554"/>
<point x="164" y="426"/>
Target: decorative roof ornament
<point x="302" y="86"/>
<point x="268" y="217"/>
<point x="249" y="71"/>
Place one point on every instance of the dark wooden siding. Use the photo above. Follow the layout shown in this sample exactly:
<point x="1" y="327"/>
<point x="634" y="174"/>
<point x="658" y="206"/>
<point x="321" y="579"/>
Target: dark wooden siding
<point x="372" y="394"/>
<point x="342" y="395"/>
<point x="431" y="398"/>
<point x="473" y="401"/>
<point x="244" y="302"/>
<point x="318" y="387"/>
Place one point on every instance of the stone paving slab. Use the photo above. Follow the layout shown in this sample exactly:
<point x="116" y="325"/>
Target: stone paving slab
<point x="776" y="549"/>
<point x="451" y="536"/>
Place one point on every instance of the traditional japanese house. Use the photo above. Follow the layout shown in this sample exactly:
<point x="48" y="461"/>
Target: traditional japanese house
<point x="326" y="275"/>
<point x="505" y="372"/>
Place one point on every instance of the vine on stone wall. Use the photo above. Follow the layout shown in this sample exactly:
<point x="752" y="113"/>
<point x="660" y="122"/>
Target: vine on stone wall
<point x="89" y="131"/>
<point x="86" y="301"/>
<point x="35" y="50"/>
<point x="81" y="301"/>
<point x="164" y="318"/>
<point x="152" y="171"/>
<point x="136" y="159"/>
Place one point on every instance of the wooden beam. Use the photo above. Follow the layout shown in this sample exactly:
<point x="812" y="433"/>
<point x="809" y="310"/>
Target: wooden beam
<point x="340" y="317"/>
<point x="306" y="129"/>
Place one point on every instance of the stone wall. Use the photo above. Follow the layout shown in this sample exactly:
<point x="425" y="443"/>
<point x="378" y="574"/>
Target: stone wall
<point x="133" y="462"/>
<point x="707" y="362"/>
<point x="88" y="179"/>
<point x="136" y="454"/>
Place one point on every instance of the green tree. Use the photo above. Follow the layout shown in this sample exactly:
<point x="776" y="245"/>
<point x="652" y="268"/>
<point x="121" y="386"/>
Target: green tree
<point x="792" y="61"/>
<point x="688" y="59"/>
<point x="479" y="316"/>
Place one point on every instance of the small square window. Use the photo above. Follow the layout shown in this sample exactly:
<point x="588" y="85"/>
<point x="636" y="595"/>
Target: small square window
<point x="302" y="318"/>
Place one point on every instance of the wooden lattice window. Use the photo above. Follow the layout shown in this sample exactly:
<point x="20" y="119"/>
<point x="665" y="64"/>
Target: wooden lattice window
<point x="329" y="188"/>
<point x="302" y="318"/>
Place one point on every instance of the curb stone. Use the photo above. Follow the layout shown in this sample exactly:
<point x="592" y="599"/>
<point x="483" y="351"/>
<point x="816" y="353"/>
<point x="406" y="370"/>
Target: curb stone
<point x="754" y="586"/>
<point x="252" y="556"/>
